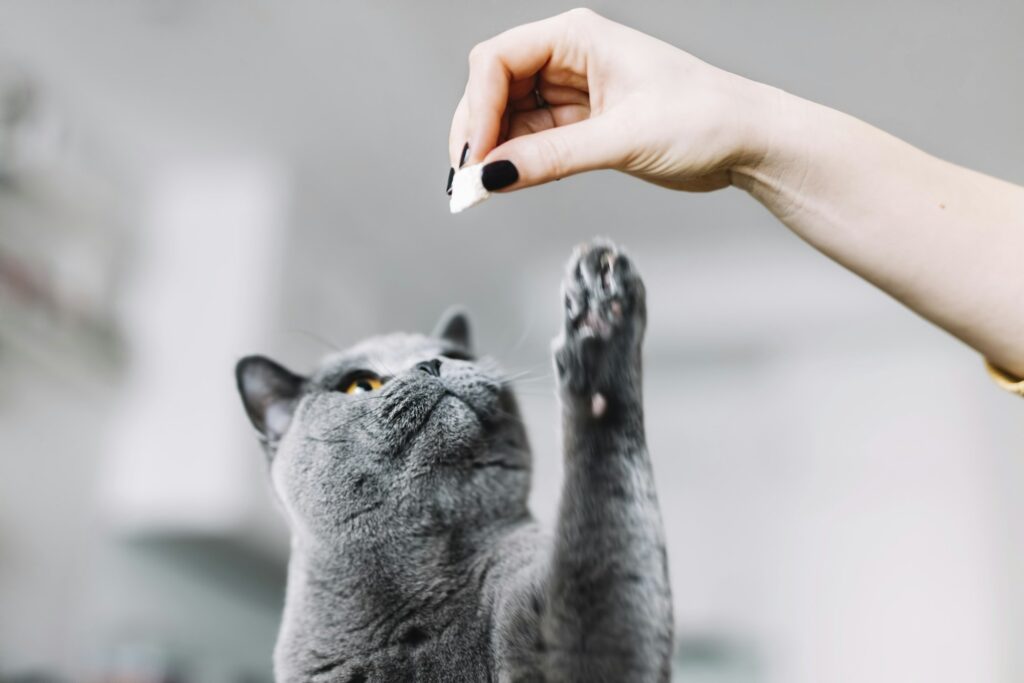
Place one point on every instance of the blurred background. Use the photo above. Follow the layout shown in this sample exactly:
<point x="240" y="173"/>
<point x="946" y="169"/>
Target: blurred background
<point x="183" y="182"/>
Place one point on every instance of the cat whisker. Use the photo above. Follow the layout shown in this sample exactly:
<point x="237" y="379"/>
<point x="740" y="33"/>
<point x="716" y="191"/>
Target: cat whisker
<point x="382" y="369"/>
<point x="526" y="377"/>
<point x="528" y="328"/>
<point x="329" y="344"/>
<point x="524" y="382"/>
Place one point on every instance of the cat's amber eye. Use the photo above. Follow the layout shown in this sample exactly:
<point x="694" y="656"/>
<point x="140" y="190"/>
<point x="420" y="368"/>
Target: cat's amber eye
<point x="362" y="385"/>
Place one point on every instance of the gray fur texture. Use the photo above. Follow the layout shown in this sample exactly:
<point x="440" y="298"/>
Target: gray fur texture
<point x="414" y="556"/>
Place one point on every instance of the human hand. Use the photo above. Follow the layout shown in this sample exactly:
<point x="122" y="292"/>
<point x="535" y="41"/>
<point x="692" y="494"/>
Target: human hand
<point x="609" y="97"/>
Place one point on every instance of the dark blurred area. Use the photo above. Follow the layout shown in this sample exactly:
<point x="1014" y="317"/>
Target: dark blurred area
<point x="183" y="183"/>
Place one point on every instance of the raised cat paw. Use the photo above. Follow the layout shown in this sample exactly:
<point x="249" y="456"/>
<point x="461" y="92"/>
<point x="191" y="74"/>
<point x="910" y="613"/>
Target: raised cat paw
<point x="597" y="355"/>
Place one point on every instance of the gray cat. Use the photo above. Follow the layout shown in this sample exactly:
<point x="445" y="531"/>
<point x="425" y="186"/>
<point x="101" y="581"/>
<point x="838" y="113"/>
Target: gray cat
<point x="403" y="469"/>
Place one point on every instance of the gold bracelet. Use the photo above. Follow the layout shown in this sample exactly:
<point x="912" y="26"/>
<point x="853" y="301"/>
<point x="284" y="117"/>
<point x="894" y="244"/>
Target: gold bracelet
<point x="1005" y="379"/>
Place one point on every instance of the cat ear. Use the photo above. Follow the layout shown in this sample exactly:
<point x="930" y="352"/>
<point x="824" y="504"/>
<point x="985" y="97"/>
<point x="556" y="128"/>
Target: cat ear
<point x="454" y="327"/>
<point x="269" y="394"/>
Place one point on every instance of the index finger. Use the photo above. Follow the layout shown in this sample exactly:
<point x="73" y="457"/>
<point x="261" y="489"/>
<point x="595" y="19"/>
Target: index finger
<point x="515" y="55"/>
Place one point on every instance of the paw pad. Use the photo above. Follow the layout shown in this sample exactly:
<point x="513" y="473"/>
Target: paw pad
<point x="605" y="316"/>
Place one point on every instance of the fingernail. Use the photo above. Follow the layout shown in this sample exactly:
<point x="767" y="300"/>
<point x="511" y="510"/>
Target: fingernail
<point x="451" y="174"/>
<point x="465" y="155"/>
<point x="498" y="174"/>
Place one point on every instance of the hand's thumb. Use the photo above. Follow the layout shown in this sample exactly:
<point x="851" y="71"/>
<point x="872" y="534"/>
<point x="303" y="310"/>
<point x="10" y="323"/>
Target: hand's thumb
<point x="556" y="153"/>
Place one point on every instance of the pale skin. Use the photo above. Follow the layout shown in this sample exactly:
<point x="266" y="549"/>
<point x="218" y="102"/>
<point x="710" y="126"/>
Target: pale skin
<point x="946" y="241"/>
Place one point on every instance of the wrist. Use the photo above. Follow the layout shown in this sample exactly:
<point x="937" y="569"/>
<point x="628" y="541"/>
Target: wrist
<point x="777" y="128"/>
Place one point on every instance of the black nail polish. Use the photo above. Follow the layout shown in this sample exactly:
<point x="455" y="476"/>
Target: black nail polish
<point x="465" y="155"/>
<point x="498" y="174"/>
<point x="451" y="174"/>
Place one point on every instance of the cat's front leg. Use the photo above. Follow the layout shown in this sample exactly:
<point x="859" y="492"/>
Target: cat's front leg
<point x="608" y="614"/>
<point x="597" y="354"/>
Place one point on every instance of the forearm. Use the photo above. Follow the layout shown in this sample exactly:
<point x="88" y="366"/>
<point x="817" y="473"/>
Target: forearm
<point x="946" y="241"/>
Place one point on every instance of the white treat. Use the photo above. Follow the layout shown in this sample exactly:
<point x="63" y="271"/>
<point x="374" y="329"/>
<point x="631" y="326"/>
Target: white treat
<point x="467" y="188"/>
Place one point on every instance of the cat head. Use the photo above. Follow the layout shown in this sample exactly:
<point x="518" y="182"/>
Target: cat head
<point x="403" y="432"/>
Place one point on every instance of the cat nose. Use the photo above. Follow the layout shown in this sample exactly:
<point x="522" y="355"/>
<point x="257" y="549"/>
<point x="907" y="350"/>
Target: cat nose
<point x="431" y="367"/>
